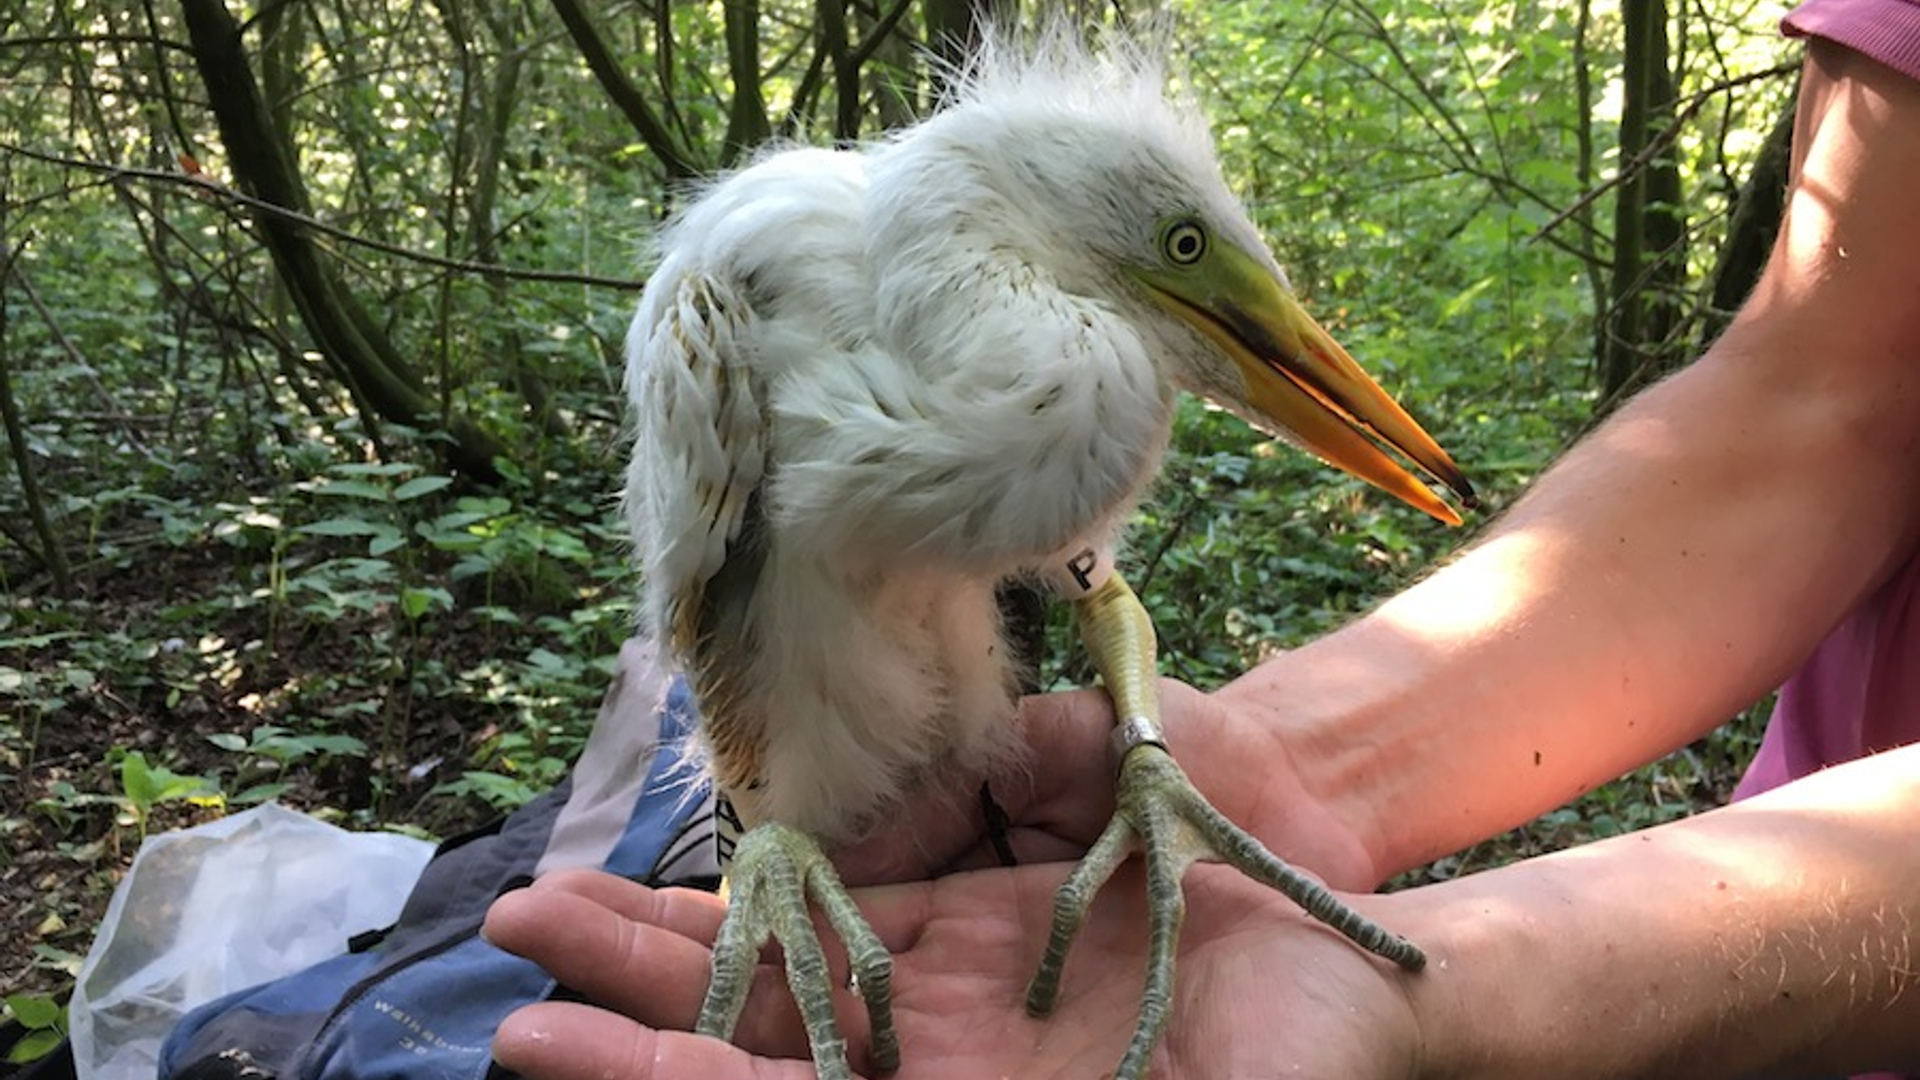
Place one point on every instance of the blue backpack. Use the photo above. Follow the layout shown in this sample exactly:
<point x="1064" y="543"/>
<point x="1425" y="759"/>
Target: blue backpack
<point x="422" y="998"/>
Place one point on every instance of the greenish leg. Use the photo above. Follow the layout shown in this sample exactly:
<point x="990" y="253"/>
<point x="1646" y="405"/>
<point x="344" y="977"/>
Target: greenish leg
<point x="1070" y="907"/>
<point x="775" y="871"/>
<point x="871" y="963"/>
<point x="1174" y="827"/>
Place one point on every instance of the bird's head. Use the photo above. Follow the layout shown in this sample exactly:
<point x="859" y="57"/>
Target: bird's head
<point x="1114" y="189"/>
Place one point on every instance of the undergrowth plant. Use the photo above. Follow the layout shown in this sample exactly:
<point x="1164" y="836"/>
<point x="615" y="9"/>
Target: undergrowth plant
<point x="44" y="1023"/>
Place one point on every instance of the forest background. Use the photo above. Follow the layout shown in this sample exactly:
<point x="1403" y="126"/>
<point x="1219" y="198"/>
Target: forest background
<point x="310" y="358"/>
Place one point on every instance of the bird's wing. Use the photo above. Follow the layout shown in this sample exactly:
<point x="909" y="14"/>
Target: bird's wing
<point x="699" y="453"/>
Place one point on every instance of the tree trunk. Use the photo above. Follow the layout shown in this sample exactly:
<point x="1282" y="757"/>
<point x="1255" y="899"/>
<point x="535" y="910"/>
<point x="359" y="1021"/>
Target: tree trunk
<point x="892" y="79"/>
<point x="675" y="159"/>
<point x="953" y="27"/>
<point x="747" y="124"/>
<point x="1755" y="222"/>
<point x="832" y="21"/>
<point x="263" y="164"/>
<point x="1639" y="337"/>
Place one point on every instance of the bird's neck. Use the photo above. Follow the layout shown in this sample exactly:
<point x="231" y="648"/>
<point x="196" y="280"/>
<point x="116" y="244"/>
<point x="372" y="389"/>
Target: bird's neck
<point x="1053" y="380"/>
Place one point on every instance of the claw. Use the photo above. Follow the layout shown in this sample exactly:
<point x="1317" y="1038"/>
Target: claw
<point x="776" y="870"/>
<point x="1162" y="813"/>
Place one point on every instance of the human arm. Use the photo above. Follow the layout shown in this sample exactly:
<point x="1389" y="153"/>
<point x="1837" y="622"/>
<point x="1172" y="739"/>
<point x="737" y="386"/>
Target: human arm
<point x="1770" y="938"/>
<point x="1672" y="568"/>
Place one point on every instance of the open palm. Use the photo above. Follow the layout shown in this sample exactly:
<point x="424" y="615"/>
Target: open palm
<point x="1262" y="990"/>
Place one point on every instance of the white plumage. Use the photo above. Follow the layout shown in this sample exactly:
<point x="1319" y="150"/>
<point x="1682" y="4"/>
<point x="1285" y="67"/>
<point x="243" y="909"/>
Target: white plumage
<point x="926" y="353"/>
<point x="872" y="385"/>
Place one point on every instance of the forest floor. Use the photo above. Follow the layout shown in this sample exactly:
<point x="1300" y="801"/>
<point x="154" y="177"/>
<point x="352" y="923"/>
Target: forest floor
<point x="181" y="699"/>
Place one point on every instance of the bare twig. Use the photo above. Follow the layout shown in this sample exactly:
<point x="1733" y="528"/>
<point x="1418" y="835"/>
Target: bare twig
<point x="50" y="553"/>
<point x="13" y="271"/>
<point x="1660" y="142"/>
<point x="202" y="183"/>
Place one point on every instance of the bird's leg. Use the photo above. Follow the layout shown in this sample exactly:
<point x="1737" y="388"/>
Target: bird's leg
<point x="1174" y="826"/>
<point x="776" y="870"/>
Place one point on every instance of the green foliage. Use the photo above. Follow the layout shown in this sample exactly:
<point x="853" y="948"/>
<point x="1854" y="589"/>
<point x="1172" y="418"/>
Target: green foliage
<point x="144" y="786"/>
<point x="268" y="751"/>
<point x="45" y="1021"/>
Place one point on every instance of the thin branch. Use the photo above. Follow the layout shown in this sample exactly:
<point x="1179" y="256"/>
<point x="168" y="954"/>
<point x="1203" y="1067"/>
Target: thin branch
<point x="50" y="554"/>
<point x="877" y="36"/>
<point x="87" y="371"/>
<point x="1660" y="142"/>
<point x="207" y="185"/>
<point x="43" y="40"/>
<point x="679" y="163"/>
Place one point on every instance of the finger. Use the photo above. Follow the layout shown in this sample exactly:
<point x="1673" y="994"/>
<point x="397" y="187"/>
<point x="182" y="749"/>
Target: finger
<point x="1070" y="790"/>
<point x="693" y="913"/>
<point x="557" y="1041"/>
<point x="1029" y="846"/>
<point x="643" y="952"/>
<point x="966" y="912"/>
<point x="615" y="956"/>
<point x="1057" y="797"/>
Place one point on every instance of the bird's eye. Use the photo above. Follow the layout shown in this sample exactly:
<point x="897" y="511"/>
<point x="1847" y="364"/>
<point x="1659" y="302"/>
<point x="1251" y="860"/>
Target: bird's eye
<point x="1184" y="242"/>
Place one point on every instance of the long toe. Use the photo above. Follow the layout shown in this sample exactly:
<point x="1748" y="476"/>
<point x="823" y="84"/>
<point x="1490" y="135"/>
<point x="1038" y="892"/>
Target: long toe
<point x="776" y="872"/>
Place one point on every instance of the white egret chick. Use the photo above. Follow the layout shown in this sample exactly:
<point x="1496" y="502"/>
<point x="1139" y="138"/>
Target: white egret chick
<point x="870" y="386"/>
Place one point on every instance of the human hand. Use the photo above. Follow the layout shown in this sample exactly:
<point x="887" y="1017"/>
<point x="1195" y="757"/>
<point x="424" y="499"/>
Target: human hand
<point x="1060" y="796"/>
<point x="1262" y="989"/>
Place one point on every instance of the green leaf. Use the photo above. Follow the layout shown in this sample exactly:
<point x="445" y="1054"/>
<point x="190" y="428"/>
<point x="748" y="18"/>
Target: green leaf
<point x="350" y="489"/>
<point x="459" y="519"/>
<point x="344" y="527"/>
<point x="36" y="641"/>
<point x="415" y="602"/>
<point x="147" y="785"/>
<point x="443" y="540"/>
<point x="137" y="780"/>
<point x="387" y="541"/>
<point x="35" y="1010"/>
<point x="374" y="468"/>
<point x="336" y="744"/>
<point x="419" y="486"/>
<point x="35" y="1045"/>
<point x="484" y="506"/>
<point x="259" y="793"/>
<point x="54" y="958"/>
<point x="471" y="566"/>
<point x="227" y="740"/>
<point x="180" y="786"/>
<point x="1459" y="304"/>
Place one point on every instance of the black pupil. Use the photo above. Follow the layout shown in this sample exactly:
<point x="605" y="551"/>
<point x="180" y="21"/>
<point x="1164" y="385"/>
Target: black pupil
<point x="1186" y="244"/>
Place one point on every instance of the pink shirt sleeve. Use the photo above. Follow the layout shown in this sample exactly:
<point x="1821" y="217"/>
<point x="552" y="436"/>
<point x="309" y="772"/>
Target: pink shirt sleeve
<point x="1886" y="30"/>
<point x="1858" y="693"/>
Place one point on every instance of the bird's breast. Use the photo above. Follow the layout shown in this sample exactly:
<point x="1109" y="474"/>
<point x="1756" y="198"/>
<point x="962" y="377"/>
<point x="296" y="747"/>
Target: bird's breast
<point x="861" y="689"/>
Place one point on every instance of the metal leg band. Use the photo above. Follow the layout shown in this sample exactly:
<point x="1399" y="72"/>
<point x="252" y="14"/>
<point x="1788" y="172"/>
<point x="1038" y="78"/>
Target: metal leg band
<point x="1131" y="732"/>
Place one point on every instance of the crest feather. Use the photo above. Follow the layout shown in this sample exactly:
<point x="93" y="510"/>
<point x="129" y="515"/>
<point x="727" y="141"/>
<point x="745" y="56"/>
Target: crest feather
<point x="1067" y="67"/>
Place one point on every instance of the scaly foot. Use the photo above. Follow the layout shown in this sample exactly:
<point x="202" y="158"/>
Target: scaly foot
<point x="776" y="870"/>
<point x="1175" y="827"/>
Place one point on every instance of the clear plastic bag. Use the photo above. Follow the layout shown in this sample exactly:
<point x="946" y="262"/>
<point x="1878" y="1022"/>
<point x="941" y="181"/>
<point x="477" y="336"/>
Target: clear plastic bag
<point x="220" y="907"/>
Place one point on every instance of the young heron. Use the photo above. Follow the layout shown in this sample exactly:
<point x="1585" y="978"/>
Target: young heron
<point x="870" y="386"/>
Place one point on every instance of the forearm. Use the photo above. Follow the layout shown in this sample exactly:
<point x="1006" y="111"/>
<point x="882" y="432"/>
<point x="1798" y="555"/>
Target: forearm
<point x="1642" y="594"/>
<point x="1674" y="566"/>
<point x="1773" y="938"/>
